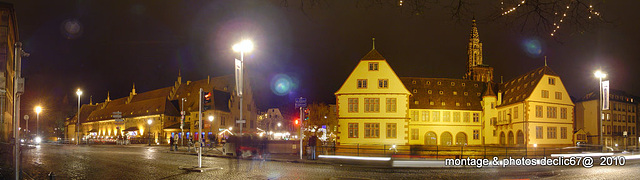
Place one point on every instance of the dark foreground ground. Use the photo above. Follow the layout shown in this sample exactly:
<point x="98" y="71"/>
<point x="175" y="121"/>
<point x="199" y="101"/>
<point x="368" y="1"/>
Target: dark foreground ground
<point x="144" y="162"/>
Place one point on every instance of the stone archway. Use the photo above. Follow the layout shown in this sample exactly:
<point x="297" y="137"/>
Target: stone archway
<point x="520" y="138"/>
<point x="502" y="138"/>
<point x="510" y="138"/>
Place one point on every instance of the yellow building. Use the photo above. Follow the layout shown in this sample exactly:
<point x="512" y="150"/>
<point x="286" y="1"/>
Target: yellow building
<point x="8" y="37"/>
<point x="361" y="117"/>
<point x="621" y="117"/>
<point x="533" y="109"/>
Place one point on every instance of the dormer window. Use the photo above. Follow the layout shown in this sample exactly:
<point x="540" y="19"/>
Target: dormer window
<point x="373" y="66"/>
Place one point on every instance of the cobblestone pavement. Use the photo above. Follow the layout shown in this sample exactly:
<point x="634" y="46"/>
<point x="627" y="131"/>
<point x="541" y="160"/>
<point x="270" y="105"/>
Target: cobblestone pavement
<point x="156" y="162"/>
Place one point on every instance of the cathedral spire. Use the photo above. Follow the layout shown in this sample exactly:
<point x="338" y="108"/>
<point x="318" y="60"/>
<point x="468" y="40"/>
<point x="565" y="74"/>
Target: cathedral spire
<point x="108" y="98"/>
<point x="133" y="91"/>
<point x="476" y="70"/>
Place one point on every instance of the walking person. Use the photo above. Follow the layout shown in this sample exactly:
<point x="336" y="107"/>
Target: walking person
<point x="176" y="143"/>
<point x="171" y="142"/>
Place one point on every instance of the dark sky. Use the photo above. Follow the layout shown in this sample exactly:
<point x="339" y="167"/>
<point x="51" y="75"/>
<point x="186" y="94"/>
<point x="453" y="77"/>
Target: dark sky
<point x="102" y="46"/>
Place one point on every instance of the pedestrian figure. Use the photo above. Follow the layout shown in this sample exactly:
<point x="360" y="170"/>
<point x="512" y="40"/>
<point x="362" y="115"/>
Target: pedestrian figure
<point x="171" y="143"/>
<point x="176" y="143"/>
<point x="312" y="145"/>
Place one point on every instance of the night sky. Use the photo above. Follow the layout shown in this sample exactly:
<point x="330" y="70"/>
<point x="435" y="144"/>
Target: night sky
<point x="102" y="46"/>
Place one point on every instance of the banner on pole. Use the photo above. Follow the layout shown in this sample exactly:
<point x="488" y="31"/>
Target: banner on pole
<point x="238" y="71"/>
<point x="605" y="95"/>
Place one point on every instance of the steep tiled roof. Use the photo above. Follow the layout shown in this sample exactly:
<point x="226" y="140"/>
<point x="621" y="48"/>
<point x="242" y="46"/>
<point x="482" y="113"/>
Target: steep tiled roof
<point x="162" y="92"/>
<point x="457" y="94"/>
<point x="614" y="95"/>
<point x="138" y="108"/>
<point x="85" y="111"/>
<point x="520" y="88"/>
<point x="373" y="55"/>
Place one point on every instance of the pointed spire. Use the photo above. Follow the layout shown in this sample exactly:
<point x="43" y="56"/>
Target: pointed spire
<point x="90" y="100"/>
<point x="108" y="97"/>
<point x="133" y="91"/>
<point x="545" y="60"/>
<point x="374" y="43"/>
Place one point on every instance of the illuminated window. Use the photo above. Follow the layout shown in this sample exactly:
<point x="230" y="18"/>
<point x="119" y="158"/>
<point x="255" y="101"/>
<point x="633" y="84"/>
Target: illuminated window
<point x="456" y="116"/>
<point x="476" y="117"/>
<point x="552" y="112"/>
<point x="414" y="91"/>
<point x="371" y="104"/>
<point x="563" y="132"/>
<point x="373" y="66"/>
<point x="353" y="130"/>
<point x="392" y="129"/>
<point x="539" y="132"/>
<point x="391" y="104"/>
<point x="415" y="134"/>
<point x="558" y="95"/>
<point x="453" y="83"/>
<point x="563" y="113"/>
<point x="466" y="117"/>
<point x="362" y="83"/>
<point x="371" y="130"/>
<point x="353" y="104"/>
<point x="466" y="94"/>
<point x="539" y="111"/>
<point x="429" y="92"/>
<point x="414" y="116"/>
<point x="515" y="112"/>
<point x="551" y="132"/>
<point x="545" y="94"/>
<point x="425" y="116"/>
<point x="552" y="81"/>
<point x="436" y="116"/>
<point x="446" y="116"/>
<point x="476" y="134"/>
<point x="455" y="93"/>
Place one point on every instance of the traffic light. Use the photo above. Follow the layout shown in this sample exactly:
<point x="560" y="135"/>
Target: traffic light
<point x="306" y="114"/>
<point x="206" y="101"/>
<point x="296" y="121"/>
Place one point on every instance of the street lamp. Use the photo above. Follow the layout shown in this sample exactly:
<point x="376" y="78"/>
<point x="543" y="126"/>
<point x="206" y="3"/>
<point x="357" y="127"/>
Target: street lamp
<point x="149" y="131"/>
<point x="38" y="109"/>
<point x="79" y="93"/>
<point x="242" y="47"/>
<point x="599" y="74"/>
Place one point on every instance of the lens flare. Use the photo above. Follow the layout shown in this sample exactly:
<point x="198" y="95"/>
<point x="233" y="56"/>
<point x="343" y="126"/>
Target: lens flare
<point x="282" y="84"/>
<point x="71" y="28"/>
<point x="532" y="47"/>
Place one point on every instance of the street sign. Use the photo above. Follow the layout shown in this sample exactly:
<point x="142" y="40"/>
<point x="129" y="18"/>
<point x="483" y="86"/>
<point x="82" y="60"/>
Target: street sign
<point x="117" y="115"/>
<point x="26" y="117"/>
<point x="301" y="102"/>
<point x="241" y="121"/>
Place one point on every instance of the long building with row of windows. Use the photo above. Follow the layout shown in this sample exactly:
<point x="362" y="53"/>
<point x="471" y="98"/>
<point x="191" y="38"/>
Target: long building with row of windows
<point x="162" y="107"/>
<point x="533" y="109"/>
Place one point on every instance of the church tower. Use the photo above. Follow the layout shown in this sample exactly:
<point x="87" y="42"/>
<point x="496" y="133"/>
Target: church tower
<point x="476" y="70"/>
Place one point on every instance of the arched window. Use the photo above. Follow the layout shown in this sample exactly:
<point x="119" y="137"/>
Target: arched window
<point x="461" y="139"/>
<point x="520" y="138"/>
<point x="511" y="138"/>
<point x="430" y="138"/>
<point x="502" y="138"/>
<point x="446" y="139"/>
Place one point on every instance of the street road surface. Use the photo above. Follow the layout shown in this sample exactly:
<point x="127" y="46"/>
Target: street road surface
<point x="144" y="162"/>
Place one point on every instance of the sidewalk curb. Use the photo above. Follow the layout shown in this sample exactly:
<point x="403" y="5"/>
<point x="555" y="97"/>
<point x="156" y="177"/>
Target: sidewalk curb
<point x="275" y="160"/>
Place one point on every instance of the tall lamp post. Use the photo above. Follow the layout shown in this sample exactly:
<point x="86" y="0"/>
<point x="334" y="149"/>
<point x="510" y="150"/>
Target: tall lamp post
<point x="79" y="93"/>
<point x="599" y="74"/>
<point x="211" y="128"/>
<point x="149" y="131"/>
<point x="242" y="47"/>
<point x="182" y="122"/>
<point x="38" y="109"/>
